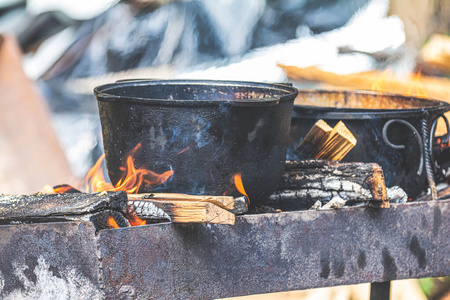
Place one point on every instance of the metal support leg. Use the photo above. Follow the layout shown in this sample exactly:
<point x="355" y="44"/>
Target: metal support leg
<point x="380" y="290"/>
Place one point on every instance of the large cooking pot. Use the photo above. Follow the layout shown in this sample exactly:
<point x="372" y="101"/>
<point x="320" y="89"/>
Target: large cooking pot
<point x="205" y="131"/>
<point x="391" y="130"/>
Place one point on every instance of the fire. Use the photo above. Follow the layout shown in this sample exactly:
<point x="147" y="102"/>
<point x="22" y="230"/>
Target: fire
<point x="130" y="181"/>
<point x="112" y="223"/>
<point x="380" y="83"/>
<point x="416" y="87"/>
<point x="133" y="217"/>
<point x="239" y="185"/>
<point x="409" y="86"/>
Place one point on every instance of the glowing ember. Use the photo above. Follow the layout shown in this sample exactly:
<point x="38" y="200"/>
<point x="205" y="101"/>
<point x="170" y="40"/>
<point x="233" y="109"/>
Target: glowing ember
<point x="239" y="185"/>
<point x="112" y="223"/>
<point x="184" y="150"/>
<point x="133" y="217"/>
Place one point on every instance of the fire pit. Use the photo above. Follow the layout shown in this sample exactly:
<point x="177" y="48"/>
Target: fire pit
<point x="392" y="130"/>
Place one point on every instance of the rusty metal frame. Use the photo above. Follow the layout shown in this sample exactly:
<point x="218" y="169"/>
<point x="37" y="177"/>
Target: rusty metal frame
<point x="260" y="254"/>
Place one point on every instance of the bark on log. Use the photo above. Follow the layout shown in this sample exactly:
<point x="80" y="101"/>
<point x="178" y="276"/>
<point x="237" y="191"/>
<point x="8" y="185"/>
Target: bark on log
<point x="23" y="207"/>
<point x="305" y="182"/>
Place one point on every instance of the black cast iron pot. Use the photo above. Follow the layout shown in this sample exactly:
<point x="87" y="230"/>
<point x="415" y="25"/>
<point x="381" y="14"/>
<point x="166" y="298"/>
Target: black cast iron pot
<point x="205" y="131"/>
<point x="391" y="130"/>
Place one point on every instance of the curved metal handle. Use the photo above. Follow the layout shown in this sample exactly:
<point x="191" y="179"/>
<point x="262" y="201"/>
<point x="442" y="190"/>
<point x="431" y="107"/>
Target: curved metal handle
<point x="433" y="129"/>
<point x="401" y="147"/>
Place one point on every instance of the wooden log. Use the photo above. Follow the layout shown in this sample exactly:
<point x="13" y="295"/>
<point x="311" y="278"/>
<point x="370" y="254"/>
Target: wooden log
<point x="226" y="202"/>
<point x="305" y="182"/>
<point x="187" y="211"/>
<point x="28" y="207"/>
<point x="43" y="208"/>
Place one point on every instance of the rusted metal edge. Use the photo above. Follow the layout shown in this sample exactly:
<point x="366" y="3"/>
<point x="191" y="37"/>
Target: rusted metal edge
<point x="277" y="252"/>
<point x="39" y="260"/>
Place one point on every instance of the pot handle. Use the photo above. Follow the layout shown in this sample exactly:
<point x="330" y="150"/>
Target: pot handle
<point x="401" y="147"/>
<point x="433" y="130"/>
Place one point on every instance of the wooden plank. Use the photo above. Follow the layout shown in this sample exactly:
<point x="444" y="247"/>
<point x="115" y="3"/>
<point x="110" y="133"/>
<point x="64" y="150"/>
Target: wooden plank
<point x="226" y="202"/>
<point x="187" y="211"/>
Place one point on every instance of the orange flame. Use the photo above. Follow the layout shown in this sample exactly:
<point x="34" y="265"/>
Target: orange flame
<point x="239" y="185"/>
<point x="416" y="87"/>
<point x="133" y="217"/>
<point x="130" y="181"/>
<point x="380" y="83"/>
<point x="112" y="223"/>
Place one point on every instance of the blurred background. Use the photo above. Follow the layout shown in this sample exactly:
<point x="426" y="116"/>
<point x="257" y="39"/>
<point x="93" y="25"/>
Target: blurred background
<point x="54" y="52"/>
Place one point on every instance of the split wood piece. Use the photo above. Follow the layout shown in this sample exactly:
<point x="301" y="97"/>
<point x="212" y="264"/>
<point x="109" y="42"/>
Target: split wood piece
<point x="305" y="182"/>
<point x="314" y="139"/>
<point x="324" y="142"/>
<point x="338" y="144"/>
<point x="226" y="202"/>
<point x="187" y="211"/>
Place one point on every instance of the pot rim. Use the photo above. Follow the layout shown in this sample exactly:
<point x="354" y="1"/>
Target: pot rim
<point x="309" y="111"/>
<point x="103" y="94"/>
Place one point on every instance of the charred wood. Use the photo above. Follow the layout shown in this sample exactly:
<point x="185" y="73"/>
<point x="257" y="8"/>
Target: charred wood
<point x="148" y="211"/>
<point x="22" y="207"/>
<point x="305" y="182"/>
<point x="100" y="219"/>
<point x="241" y="205"/>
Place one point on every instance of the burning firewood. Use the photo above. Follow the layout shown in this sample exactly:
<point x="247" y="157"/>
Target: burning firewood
<point x="226" y="202"/>
<point x="185" y="211"/>
<point x="37" y="208"/>
<point x="305" y="182"/>
<point x="324" y="142"/>
<point x="237" y="206"/>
